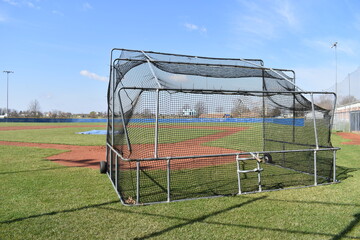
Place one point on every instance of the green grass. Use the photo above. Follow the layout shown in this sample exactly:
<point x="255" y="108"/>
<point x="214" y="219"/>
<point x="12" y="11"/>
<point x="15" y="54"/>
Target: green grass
<point x="70" y="136"/>
<point x="15" y="124"/>
<point x="251" y="139"/>
<point x="55" y="135"/>
<point x="43" y="200"/>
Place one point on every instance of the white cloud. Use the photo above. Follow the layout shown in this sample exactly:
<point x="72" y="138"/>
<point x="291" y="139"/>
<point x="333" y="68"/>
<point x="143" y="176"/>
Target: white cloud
<point x="257" y="26"/>
<point x="319" y="44"/>
<point x="87" y="6"/>
<point x="27" y="3"/>
<point x="265" y="21"/>
<point x="193" y="27"/>
<point x="55" y="12"/>
<point x="286" y="11"/>
<point x="91" y="75"/>
<point x="11" y="2"/>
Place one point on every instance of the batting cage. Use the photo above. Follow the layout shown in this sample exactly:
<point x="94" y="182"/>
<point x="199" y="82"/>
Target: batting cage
<point x="184" y="127"/>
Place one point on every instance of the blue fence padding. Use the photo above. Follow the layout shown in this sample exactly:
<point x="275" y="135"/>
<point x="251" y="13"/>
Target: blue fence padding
<point x="59" y="120"/>
<point x="298" y="122"/>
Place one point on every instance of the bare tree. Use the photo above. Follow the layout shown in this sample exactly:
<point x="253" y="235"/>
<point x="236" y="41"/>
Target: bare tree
<point x="219" y="109"/>
<point x="59" y="114"/>
<point x="348" y="99"/>
<point x="147" y="113"/>
<point x="274" y="112"/>
<point x="200" y="108"/>
<point x="325" y="101"/>
<point x="34" y="109"/>
<point x="239" y="108"/>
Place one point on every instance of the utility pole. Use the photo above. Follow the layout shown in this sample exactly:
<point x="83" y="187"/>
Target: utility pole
<point x="335" y="46"/>
<point x="349" y="85"/>
<point x="7" y="91"/>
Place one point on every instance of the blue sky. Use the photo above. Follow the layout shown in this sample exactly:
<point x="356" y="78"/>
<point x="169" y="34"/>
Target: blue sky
<point x="59" y="50"/>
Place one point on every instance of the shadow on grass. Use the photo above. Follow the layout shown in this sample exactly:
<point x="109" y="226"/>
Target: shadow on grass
<point x="199" y="219"/>
<point x="348" y="228"/>
<point x="59" y="212"/>
<point x="342" y="173"/>
<point x="35" y="170"/>
<point x="311" y="202"/>
<point x="78" y="163"/>
<point x="203" y="219"/>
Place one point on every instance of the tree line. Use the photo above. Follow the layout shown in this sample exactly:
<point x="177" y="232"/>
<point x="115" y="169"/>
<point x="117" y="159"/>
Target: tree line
<point x="34" y="111"/>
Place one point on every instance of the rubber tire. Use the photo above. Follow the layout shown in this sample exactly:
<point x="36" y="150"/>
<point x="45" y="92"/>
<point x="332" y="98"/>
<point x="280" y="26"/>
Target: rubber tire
<point x="268" y="158"/>
<point x="103" y="167"/>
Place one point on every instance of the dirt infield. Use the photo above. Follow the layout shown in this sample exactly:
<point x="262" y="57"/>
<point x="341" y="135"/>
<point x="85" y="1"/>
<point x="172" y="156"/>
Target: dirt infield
<point x="355" y="138"/>
<point x="76" y="156"/>
<point x="90" y="156"/>
<point x="12" y="128"/>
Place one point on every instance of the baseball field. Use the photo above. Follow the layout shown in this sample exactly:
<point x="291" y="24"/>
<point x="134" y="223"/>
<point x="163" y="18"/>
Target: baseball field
<point x="51" y="189"/>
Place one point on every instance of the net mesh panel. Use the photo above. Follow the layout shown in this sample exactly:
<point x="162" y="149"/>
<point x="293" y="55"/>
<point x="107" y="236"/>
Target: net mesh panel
<point x="199" y="115"/>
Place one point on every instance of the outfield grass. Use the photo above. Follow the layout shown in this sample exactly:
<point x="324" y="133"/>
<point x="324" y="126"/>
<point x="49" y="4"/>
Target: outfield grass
<point x="43" y="200"/>
<point x="70" y="136"/>
<point x="15" y="124"/>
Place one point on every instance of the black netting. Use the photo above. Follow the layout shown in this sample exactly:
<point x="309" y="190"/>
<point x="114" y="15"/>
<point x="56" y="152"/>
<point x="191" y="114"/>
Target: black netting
<point x="178" y="122"/>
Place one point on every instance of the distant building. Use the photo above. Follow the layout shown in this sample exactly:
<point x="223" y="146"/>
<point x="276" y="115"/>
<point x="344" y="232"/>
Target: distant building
<point x="215" y="115"/>
<point x="189" y="112"/>
<point x="347" y="117"/>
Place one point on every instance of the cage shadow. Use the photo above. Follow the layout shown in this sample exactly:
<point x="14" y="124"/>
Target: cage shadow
<point x="199" y="219"/>
<point x="58" y="212"/>
<point x="348" y="228"/>
<point x="204" y="218"/>
<point x="78" y="163"/>
<point x="35" y="170"/>
<point x="343" y="172"/>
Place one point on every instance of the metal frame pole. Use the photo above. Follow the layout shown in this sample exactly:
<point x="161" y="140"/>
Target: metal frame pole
<point x="112" y="120"/>
<point x="168" y="180"/>
<point x="156" y="124"/>
<point x="137" y="182"/>
<point x="263" y="108"/>
<point x="116" y="171"/>
<point x="293" y="117"/>
<point x="315" y="168"/>
<point x="314" y="120"/>
<point x="238" y="173"/>
<point x="259" y="175"/>
<point x="316" y="139"/>
<point x="334" y="166"/>
<point x="123" y="122"/>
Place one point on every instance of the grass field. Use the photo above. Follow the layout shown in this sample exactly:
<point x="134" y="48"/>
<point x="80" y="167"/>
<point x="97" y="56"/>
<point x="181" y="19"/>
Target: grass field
<point x="43" y="200"/>
<point x="70" y="136"/>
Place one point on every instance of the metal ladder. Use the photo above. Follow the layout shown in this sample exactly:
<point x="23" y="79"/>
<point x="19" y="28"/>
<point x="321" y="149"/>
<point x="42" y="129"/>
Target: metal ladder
<point x="257" y="170"/>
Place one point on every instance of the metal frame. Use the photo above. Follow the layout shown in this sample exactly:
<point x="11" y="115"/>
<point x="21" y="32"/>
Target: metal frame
<point x="236" y="155"/>
<point x="113" y="155"/>
<point x="237" y="158"/>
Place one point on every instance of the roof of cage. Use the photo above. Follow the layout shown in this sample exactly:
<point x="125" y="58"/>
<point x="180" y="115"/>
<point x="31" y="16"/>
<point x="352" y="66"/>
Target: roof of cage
<point x="168" y="70"/>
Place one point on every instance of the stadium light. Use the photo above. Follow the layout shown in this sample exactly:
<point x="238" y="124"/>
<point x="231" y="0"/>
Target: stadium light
<point x="335" y="46"/>
<point x="7" y="91"/>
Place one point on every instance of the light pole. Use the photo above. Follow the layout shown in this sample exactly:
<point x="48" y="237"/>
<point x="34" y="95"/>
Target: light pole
<point x="335" y="46"/>
<point x="7" y="91"/>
